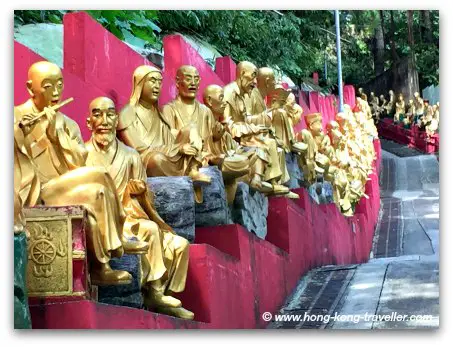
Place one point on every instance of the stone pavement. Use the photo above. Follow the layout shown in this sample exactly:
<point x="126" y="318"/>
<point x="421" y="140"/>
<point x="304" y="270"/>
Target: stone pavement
<point x="402" y="276"/>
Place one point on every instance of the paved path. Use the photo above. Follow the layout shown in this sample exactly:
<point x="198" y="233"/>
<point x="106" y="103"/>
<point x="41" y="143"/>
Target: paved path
<point x="402" y="276"/>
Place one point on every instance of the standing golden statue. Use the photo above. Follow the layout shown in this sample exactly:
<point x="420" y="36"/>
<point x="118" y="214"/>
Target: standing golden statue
<point x="54" y="144"/>
<point x="250" y="135"/>
<point x="142" y="127"/>
<point x="164" y="266"/>
<point x="223" y="148"/>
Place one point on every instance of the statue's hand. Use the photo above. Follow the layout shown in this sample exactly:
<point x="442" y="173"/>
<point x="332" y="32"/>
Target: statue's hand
<point x="137" y="187"/>
<point x="51" y="116"/>
<point x="188" y="149"/>
<point x="32" y="120"/>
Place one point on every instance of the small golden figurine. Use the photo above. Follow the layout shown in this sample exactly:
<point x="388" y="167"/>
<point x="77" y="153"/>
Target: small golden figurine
<point x="55" y="146"/>
<point x="164" y="266"/>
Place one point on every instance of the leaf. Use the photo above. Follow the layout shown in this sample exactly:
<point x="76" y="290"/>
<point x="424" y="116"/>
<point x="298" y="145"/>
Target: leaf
<point x="133" y="40"/>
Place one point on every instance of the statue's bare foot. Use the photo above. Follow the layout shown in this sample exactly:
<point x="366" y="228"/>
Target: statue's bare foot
<point x="104" y="275"/>
<point x="179" y="312"/>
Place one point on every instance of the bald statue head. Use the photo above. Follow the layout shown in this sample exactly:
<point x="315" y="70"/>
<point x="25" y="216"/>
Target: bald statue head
<point x="45" y="84"/>
<point x="187" y="82"/>
<point x="102" y="121"/>
<point x="265" y="80"/>
<point x="246" y="73"/>
<point x="213" y="99"/>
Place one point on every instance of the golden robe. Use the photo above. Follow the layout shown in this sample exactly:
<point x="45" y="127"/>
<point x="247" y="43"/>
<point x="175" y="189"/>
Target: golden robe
<point x="250" y="135"/>
<point x="60" y="166"/>
<point x="168" y="254"/>
<point x="146" y="131"/>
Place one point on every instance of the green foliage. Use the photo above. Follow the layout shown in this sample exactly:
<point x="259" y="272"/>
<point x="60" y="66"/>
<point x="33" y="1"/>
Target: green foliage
<point x="298" y="42"/>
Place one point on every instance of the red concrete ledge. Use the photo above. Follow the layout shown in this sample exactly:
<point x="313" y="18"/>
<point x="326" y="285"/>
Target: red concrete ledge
<point x="412" y="137"/>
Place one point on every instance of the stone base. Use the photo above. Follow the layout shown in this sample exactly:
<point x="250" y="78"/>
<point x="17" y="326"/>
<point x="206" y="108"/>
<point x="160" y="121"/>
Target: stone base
<point x="214" y="209"/>
<point x="22" y="318"/>
<point x="321" y="192"/>
<point x="295" y="172"/>
<point x="250" y="209"/>
<point x="124" y="295"/>
<point x="175" y="203"/>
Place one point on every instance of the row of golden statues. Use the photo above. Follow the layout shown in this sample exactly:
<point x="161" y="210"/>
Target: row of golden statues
<point x="416" y="112"/>
<point x="235" y="129"/>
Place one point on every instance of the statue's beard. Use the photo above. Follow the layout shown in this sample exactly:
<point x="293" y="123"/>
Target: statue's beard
<point x="104" y="139"/>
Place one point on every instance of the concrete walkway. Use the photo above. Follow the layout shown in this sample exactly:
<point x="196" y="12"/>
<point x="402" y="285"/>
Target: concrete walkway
<point x="399" y="287"/>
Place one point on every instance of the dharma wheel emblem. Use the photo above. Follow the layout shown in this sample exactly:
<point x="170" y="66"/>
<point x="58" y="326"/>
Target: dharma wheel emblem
<point x="42" y="251"/>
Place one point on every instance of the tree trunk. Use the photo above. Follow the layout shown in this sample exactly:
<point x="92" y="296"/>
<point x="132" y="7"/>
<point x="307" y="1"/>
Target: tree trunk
<point x="379" y="51"/>
<point x="395" y="57"/>
<point x="427" y="27"/>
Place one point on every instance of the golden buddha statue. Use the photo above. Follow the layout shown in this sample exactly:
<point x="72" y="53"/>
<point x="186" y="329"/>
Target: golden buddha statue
<point x="340" y="186"/>
<point x="400" y="109"/>
<point x="409" y="114"/>
<point x="248" y="134"/>
<point x="255" y="101"/>
<point x="374" y="105"/>
<point x="142" y="127"/>
<point x="185" y="111"/>
<point x="419" y="108"/>
<point x="54" y="144"/>
<point x="383" y="107"/>
<point x="164" y="266"/>
<point x="281" y="114"/>
<point x="430" y="123"/>
<point x="225" y="151"/>
<point x="390" y="107"/>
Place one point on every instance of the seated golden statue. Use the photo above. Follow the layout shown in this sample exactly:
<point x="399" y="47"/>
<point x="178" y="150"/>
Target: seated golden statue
<point x="409" y="114"/>
<point x="185" y="111"/>
<point x="142" y="127"/>
<point x="164" y="266"/>
<point x="419" y="108"/>
<point x="250" y="135"/>
<point x="390" y="107"/>
<point x="54" y="143"/>
<point x="255" y="101"/>
<point x="282" y="121"/>
<point x="400" y="109"/>
<point x="430" y="123"/>
<point x="223" y="149"/>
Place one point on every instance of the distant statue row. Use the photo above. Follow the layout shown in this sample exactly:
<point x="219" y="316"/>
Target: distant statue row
<point x="416" y="112"/>
<point x="234" y="130"/>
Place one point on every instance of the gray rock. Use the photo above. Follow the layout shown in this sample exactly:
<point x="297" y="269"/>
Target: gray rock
<point x="124" y="295"/>
<point x="321" y="192"/>
<point x="175" y="203"/>
<point x="214" y="208"/>
<point x="250" y="210"/>
<point x="295" y="173"/>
